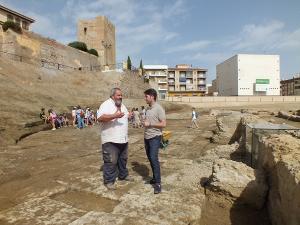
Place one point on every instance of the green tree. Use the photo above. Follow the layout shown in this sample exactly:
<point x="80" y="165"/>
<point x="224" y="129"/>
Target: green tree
<point x="141" y="64"/>
<point x="79" y="45"/>
<point x="129" y="63"/>
<point x="12" y="25"/>
<point x="93" y="52"/>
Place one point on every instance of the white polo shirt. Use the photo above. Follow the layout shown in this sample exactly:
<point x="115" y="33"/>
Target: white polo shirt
<point x="116" y="130"/>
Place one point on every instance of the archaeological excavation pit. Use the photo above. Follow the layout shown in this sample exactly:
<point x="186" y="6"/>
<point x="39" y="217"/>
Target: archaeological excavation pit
<point x="268" y="152"/>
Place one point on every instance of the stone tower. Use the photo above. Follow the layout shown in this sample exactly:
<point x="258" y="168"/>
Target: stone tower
<point x="99" y="33"/>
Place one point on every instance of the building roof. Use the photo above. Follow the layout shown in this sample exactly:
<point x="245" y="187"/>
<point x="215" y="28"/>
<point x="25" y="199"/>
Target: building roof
<point x="155" y="67"/>
<point x="189" y="69"/>
<point x="17" y="14"/>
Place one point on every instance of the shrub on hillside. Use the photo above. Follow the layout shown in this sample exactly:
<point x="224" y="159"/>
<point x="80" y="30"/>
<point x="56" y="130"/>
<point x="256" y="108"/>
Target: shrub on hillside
<point x="93" y="52"/>
<point x="12" y="25"/>
<point x="79" y="45"/>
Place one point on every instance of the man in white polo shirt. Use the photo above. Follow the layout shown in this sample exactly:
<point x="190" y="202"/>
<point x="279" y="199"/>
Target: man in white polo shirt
<point x="113" y="118"/>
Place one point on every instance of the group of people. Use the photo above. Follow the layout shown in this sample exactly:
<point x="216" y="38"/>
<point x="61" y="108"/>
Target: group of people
<point x="136" y="117"/>
<point x="113" y="117"/>
<point x="56" y="121"/>
<point x="82" y="118"/>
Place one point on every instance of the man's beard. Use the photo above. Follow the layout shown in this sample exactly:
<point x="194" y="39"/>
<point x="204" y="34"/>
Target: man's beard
<point x="118" y="102"/>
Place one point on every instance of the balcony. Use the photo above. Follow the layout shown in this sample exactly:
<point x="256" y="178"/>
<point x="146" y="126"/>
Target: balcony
<point x="171" y="75"/>
<point x="163" y="88"/>
<point x="162" y="81"/>
<point x="157" y="74"/>
<point x="201" y="82"/>
<point x="171" y="83"/>
<point x="201" y="75"/>
<point x="201" y="89"/>
<point x="189" y="75"/>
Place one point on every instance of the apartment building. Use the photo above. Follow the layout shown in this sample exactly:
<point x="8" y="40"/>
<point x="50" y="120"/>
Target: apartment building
<point x="157" y="76"/>
<point x="184" y="80"/>
<point x="290" y="86"/>
<point x="7" y="14"/>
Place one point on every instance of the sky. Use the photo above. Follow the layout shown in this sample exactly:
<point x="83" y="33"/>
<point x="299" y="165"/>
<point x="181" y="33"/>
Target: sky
<point x="197" y="32"/>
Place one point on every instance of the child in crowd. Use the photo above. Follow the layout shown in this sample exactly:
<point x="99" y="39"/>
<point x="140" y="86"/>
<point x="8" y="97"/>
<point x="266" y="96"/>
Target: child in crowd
<point x="43" y="115"/>
<point x="52" y="118"/>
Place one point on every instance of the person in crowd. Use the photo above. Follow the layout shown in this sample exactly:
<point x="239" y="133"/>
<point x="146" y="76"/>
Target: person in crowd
<point x="136" y="118"/>
<point x="80" y="117"/>
<point x="154" y="122"/>
<point x="43" y="115"/>
<point x="143" y="113"/>
<point x="65" y="120"/>
<point x="74" y="116"/>
<point x="93" y="117"/>
<point x="52" y="118"/>
<point x="194" y="123"/>
<point x="87" y="116"/>
<point x="113" y="118"/>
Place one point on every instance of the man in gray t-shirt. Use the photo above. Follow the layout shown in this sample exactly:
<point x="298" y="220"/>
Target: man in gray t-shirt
<point x="154" y="122"/>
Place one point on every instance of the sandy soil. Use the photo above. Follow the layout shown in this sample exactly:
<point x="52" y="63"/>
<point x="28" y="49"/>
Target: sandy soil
<point x="64" y="167"/>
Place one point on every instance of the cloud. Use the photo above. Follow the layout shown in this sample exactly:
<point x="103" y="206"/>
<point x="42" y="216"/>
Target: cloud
<point x="134" y="33"/>
<point x="208" y="56"/>
<point x="193" y="46"/>
<point x="267" y="37"/>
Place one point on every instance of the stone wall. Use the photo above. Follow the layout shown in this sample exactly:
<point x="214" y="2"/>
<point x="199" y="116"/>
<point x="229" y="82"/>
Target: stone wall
<point x="279" y="157"/>
<point x="223" y="101"/>
<point x="33" y="48"/>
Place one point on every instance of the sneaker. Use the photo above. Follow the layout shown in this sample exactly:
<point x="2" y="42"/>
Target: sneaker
<point x="127" y="178"/>
<point x="53" y="128"/>
<point x="157" y="188"/>
<point x="110" y="186"/>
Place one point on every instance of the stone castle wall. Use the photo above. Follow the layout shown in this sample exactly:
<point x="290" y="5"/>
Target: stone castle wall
<point x="99" y="33"/>
<point x="33" y="48"/>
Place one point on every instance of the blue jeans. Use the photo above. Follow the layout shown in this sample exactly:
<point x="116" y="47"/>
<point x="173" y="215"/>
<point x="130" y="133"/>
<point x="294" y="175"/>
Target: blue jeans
<point x="80" y="122"/>
<point x="152" y="147"/>
<point x="115" y="159"/>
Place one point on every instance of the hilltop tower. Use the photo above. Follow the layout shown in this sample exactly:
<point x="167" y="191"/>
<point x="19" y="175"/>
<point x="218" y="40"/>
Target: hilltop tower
<point x="99" y="33"/>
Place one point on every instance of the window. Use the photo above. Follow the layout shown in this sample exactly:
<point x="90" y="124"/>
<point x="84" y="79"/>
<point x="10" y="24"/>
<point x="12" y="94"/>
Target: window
<point x="10" y="17"/>
<point x="18" y="21"/>
<point x="25" y="25"/>
<point x="85" y="29"/>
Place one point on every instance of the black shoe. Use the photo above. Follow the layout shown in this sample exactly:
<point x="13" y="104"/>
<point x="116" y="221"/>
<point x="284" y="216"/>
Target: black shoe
<point x="152" y="181"/>
<point x="157" y="188"/>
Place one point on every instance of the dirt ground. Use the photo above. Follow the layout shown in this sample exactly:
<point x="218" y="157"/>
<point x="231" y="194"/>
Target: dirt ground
<point x="55" y="177"/>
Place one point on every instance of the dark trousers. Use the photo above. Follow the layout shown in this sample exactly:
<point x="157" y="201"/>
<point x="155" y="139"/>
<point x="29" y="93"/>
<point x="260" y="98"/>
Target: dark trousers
<point x="115" y="159"/>
<point x="152" y="147"/>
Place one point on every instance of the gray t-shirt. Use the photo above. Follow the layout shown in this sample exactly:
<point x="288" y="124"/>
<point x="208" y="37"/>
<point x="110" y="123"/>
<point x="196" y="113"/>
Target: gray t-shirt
<point x="154" y="115"/>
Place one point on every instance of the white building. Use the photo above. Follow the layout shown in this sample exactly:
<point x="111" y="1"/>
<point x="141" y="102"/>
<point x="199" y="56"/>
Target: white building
<point x="245" y="74"/>
<point x="157" y="75"/>
<point x="7" y="14"/>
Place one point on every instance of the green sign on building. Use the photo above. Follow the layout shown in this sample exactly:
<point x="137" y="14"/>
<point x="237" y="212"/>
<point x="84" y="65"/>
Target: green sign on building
<point x="262" y="81"/>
